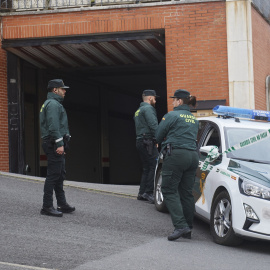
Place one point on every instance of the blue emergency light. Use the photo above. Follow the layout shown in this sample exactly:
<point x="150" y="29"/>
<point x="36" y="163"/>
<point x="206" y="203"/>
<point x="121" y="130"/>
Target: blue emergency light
<point x="227" y="111"/>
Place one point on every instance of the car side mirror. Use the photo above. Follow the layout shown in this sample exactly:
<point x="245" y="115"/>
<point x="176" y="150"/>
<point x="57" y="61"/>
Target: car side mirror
<point x="212" y="149"/>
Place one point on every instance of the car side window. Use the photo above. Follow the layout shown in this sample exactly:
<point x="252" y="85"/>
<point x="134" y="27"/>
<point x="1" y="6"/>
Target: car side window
<point x="202" y="125"/>
<point x="208" y="134"/>
<point x="212" y="138"/>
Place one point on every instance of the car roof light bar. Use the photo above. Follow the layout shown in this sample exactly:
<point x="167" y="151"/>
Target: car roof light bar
<point x="227" y="111"/>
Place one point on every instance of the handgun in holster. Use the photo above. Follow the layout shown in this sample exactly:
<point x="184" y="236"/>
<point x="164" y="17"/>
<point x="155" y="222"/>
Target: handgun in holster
<point x="169" y="149"/>
<point x="149" y="145"/>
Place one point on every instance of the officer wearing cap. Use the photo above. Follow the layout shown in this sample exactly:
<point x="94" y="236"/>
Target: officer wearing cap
<point x="146" y="124"/>
<point x="55" y="136"/>
<point x="177" y="132"/>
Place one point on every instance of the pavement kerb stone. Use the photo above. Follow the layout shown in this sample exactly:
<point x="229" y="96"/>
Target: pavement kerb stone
<point x="124" y="190"/>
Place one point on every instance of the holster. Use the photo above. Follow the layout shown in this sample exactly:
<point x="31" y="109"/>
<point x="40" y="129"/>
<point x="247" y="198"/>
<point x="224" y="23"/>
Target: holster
<point x="167" y="150"/>
<point x="148" y="143"/>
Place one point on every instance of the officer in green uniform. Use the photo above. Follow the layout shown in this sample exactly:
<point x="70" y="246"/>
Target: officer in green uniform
<point x="55" y="136"/>
<point x="146" y="124"/>
<point x="177" y="132"/>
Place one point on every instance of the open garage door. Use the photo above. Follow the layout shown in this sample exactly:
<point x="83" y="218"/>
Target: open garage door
<point x="106" y="75"/>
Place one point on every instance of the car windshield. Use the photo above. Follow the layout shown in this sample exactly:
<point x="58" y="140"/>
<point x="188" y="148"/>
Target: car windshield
<point x="254" y="152"/>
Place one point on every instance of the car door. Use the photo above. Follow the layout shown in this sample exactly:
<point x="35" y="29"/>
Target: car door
<point x="208" y="135"/>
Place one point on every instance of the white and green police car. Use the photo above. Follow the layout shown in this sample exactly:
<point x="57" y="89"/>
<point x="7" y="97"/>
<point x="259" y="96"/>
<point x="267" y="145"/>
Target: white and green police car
<point x="232" y="186"/>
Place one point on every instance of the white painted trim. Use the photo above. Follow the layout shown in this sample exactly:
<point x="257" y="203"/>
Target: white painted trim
<point x="240" y="53"/>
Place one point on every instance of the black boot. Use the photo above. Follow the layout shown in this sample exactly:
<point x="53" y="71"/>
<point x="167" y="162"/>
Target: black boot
<point x="141" y="198"/>
<point x="178" y="233"/>
<point x="149" y="197"/>
<point x="66" y="208"/>
<point x="187" y="235"/>
<point x="50" y="211"/>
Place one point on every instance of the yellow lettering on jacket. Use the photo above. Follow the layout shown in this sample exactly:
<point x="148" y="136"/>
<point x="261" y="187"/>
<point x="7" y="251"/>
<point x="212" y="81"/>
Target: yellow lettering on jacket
<point x="188" y="118"/>
<point x="190" y="121"/>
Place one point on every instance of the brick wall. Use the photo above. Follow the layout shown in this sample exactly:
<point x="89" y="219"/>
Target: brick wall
<point x="196" y="51"/>
<point x="4" y="154"/>
<point x="196" y="41"/>
<point x="261" y="56"/>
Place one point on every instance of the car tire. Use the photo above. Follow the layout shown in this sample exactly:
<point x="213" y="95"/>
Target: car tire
<point x="159" y="201"/>
<point x="221" y="221"/>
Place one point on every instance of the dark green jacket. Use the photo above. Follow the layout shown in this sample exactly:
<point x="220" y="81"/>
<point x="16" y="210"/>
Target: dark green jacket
<point x="179" y="128"/>
<point x="53" y="119"/>
<point x="146" y="122"/>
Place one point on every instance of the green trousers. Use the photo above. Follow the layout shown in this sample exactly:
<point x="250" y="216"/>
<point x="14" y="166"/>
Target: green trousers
<point x="178" y="177"/>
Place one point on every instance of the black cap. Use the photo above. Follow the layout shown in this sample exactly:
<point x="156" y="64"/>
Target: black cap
<point x="149" y="92"/>
<point x="56" y="83"/>
<point x="181" y="93"/>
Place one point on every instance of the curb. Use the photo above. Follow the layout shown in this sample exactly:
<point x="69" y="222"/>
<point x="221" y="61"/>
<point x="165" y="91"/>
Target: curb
<point x="42" y="179"/>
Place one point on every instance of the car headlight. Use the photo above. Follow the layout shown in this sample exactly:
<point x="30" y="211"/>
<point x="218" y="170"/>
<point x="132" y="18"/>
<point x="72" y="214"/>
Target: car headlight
<point x="250" y="213"/>
<point x="250" y="188"/>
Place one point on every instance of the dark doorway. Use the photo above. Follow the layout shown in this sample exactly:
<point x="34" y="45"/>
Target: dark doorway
<point x="31" y="128"/>
<point x="106" y="75"/>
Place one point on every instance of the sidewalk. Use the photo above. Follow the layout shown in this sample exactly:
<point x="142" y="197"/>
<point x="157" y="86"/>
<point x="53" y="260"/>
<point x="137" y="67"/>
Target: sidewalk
<point x="116" y="189"/>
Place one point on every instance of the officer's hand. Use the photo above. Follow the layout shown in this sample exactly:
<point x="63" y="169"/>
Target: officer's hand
<point x="60" y="150"/>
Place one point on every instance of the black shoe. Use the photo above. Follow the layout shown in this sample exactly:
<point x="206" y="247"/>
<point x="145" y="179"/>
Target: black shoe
<point x="187" y="235"/>
<point x="178" y="233"/>
<point x="50" y="211"/>
<point x="141" y="198"/>
<point x="149" y="197"/>
<point x="65" y="208"/>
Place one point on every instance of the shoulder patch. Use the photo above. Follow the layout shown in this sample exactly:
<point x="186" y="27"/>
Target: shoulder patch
<point x="137" y="113"/>
<point x="42" y="108"/>
<point x="163" y="118"/>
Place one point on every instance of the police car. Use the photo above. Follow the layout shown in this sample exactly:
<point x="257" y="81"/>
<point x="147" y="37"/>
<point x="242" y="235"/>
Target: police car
<point x="232" y="185"/>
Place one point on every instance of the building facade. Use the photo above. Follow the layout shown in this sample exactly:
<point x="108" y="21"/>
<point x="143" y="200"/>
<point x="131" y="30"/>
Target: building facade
<point x="109" y="52"/>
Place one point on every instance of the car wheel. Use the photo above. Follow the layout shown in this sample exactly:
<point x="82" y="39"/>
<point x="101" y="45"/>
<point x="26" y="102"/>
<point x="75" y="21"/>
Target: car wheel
<point x="159" y="201"/>
<point x="221" y="221"/>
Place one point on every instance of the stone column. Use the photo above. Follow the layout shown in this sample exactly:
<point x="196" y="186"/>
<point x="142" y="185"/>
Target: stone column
<point x="240" y="53"/>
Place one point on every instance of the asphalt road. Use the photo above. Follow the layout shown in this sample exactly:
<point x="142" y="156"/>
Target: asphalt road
<point x="107" y="231"/>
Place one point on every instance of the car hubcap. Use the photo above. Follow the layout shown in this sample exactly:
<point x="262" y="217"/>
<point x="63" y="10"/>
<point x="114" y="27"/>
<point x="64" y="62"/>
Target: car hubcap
<point x="159" y="195"/>
<point x="222" y="218"/>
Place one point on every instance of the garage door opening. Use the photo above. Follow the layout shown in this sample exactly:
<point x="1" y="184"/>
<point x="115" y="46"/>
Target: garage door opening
<point x="100" y="103"/>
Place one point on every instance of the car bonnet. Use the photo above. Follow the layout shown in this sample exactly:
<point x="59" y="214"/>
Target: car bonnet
<point x="256" y="172"/>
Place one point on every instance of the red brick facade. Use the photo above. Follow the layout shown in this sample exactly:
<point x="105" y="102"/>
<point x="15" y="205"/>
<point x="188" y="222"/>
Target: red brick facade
<point x="4" y="151"/>
<point x="195" y="39"/>
<point x="261" y="56"/>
